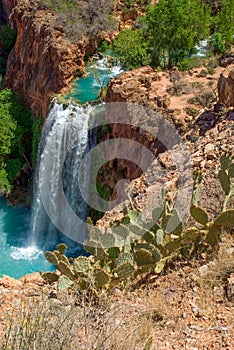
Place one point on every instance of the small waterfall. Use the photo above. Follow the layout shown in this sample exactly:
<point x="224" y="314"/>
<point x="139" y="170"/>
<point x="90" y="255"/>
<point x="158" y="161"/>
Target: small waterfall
<point x="64" y="141"/>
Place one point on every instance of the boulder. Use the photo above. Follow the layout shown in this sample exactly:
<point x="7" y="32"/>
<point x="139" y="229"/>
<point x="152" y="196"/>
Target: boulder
<point x="226" y="87"/>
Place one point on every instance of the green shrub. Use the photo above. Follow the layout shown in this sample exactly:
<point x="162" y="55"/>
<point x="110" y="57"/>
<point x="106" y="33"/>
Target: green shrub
<point x="190" y="63"/>
<point x="15" y="138"/>
<point x="131" y="48"/>
<point x="192" y="111"/>
<point x="217" y="43"/>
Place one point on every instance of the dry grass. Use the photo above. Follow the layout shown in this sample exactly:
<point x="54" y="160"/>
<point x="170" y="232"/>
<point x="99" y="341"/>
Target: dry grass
<point x="74" y="321"/>
<point x="161" y="314"/>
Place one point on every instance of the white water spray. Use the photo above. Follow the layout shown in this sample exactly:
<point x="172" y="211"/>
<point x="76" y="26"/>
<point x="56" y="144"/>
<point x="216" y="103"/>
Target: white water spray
<point x="66" y="133"/>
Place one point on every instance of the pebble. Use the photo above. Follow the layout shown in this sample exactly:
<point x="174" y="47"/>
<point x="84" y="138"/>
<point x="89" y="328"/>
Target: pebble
<point x="203" y="270"/>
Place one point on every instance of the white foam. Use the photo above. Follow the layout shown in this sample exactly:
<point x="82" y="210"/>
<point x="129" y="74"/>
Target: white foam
<point x="28" y="253"/>
<point x="202" y="48"/>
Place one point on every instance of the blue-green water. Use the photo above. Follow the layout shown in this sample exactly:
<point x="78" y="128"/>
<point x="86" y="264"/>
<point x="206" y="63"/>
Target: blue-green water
<point x="16" y="258"/>
<point x="99" y="72"/>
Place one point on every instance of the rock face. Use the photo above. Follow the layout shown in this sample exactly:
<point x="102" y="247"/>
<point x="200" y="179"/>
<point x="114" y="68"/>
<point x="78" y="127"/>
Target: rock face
<point x="43" y="62"/>
<point x="226" y="87"/>
<point x="132" y="87"/>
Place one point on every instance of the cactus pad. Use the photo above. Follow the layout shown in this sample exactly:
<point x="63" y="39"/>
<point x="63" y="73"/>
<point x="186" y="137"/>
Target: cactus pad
<point x="51" y="257"/>
<point x="107" y="240"/>
<point x="225" y="219"/>
<point x="224" y="181"/>
<point x="125" y="258"/>
<point x="81" y="264"/>
<point x="125" y="270"/>
<point x="50" y="277"/>
<point x="199" y="215"/>
<point x="143" y="257"/>
<point x="61" y="257"/>
<point x="64" y="282"/>
<point x="101" y="278"/>
<point x="62" y="248"/>
<point x="113" y="252"/>
<point x="149" y="237"/>
<point x="66" y="270"/>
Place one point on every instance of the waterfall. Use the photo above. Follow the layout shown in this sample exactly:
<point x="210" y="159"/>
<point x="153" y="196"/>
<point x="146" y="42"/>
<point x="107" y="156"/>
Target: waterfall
<point x="64" y="141"/>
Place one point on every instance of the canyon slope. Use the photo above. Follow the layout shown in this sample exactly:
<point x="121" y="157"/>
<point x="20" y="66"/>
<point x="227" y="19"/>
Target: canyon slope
<point x="200" y="107"/>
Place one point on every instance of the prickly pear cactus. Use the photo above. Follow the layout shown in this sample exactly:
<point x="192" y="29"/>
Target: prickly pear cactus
<point x="143" y="257"/>
<point x="135" y="246"/>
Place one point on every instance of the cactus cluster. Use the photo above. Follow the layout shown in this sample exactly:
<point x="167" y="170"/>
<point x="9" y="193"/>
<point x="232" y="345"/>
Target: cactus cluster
<point x="135" y="246"/>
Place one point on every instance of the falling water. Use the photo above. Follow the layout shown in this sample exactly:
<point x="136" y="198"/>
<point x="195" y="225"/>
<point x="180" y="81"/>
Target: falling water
<point x="65" y="135"/>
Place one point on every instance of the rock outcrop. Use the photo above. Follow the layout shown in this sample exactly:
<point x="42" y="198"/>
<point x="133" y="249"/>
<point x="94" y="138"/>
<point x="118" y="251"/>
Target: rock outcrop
<point x="43" y="62"/>
<point x="206" y="136"/>
<point x="226" y="87"/>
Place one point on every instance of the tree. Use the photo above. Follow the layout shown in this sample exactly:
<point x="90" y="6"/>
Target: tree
<point x="131" y="48"/>
<point x="15" y="138"/>
<point x="224" y="24"/>
<point x="175" y="27"/>
<point x="7" y="127"/>
<point x="90" y="18"/>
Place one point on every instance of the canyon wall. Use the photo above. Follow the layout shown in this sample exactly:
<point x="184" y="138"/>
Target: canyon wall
<point x="43" y="61"/>
<point x="133" y="96"/>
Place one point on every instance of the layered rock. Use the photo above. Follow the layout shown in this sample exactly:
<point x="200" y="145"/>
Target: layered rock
<point x="43" y="62"/>
<point x="226" y="87"/>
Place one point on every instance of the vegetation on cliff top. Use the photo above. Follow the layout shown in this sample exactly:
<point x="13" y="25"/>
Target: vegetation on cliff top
<point x="170" y="30"/>
<point x="78" y="19"/>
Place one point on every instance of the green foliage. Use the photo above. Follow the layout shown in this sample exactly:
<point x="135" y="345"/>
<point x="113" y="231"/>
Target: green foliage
<point x="192" y="111"/>
<point x="217" y="44"/>
<point x="7" y="127"/>
<point x="175" y="27"/>
<point x="131" y="48"/>
<point x="223" y="24"/>
<point x="7" y="37"/>
<point x="104" y="46"/>
<point x="15" y="138"/>
<point x="125" y="251"/>
<point x="188" y="63"/>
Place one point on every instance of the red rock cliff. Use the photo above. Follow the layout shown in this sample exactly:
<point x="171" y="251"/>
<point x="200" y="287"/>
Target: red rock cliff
<point x="43" y="62"/>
